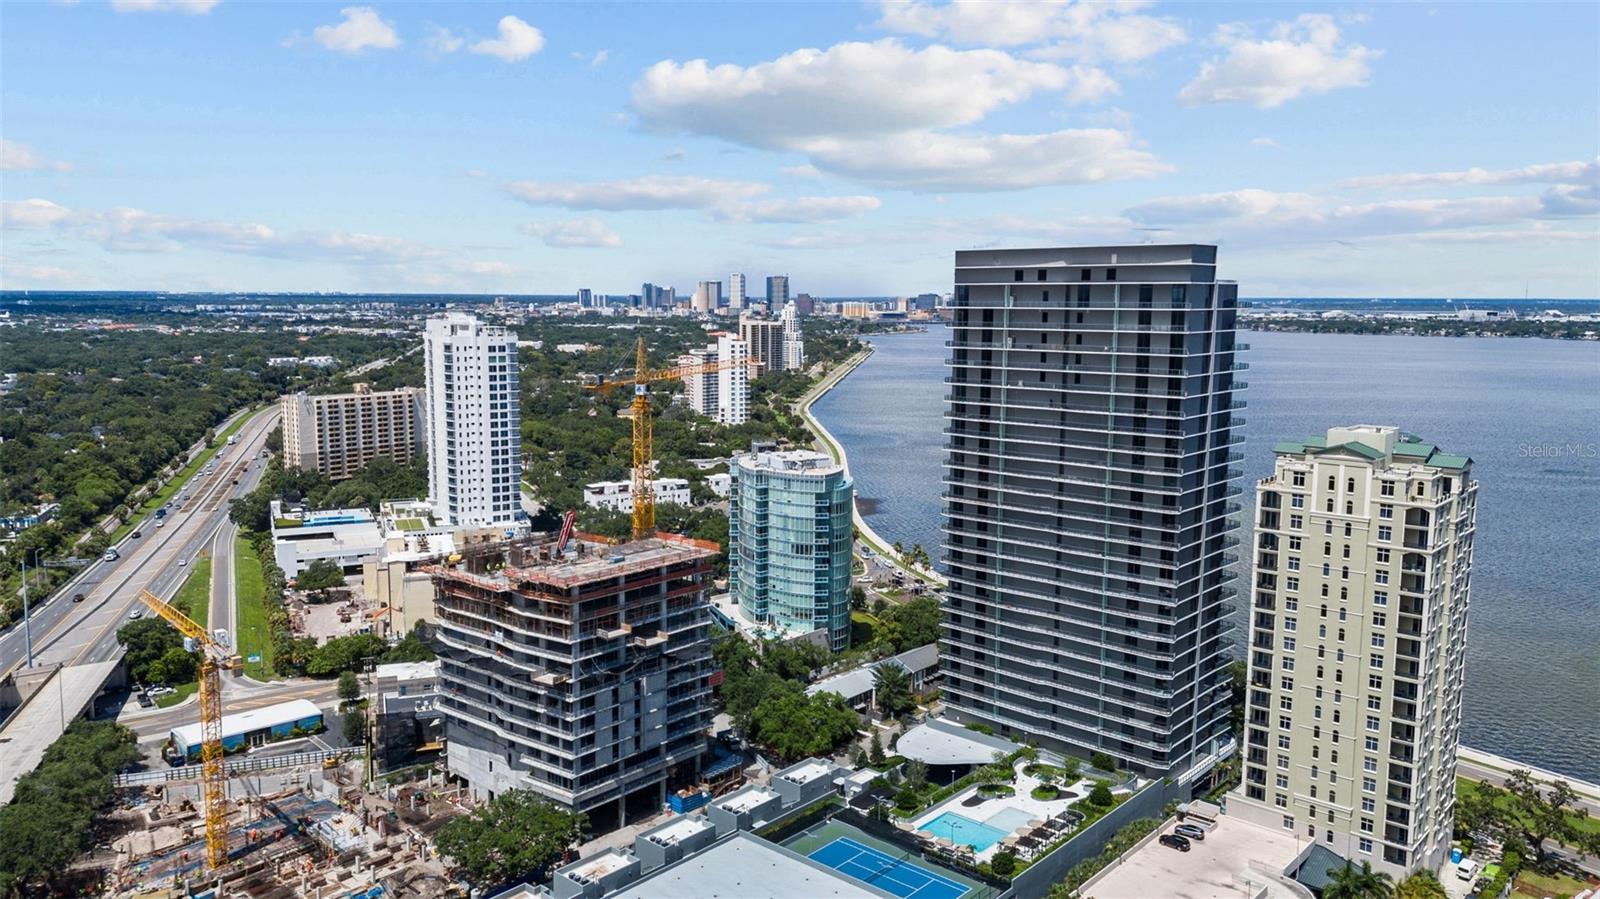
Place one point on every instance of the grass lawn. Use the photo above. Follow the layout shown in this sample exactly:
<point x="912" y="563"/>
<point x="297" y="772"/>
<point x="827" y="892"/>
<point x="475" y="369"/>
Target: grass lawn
<point x="862" y="627"/>
<point x="165" y="493"/>
<point x="1586" y="823"/>
<point x="253" y="637"/>
<point x="1556" y="886"/>
<point x="171" y="699"/>
<point x="194" y="597"/>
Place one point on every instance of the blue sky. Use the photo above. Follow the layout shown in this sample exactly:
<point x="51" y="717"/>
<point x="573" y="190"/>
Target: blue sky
<point x="1419" y="149"/>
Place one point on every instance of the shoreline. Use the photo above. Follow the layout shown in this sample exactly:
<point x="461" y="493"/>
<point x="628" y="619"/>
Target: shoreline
<point x="835" y="449"/>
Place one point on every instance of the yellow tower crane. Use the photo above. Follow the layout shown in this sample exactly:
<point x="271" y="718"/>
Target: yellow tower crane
<point x="214" y="657"/>
<point x="644" y="498"/>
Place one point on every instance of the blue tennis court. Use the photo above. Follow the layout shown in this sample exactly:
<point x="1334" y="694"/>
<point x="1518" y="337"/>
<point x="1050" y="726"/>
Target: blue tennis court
<point x="886" y="872"/>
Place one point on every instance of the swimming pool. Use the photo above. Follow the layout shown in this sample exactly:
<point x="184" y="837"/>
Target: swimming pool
<point x="964" y="831"/>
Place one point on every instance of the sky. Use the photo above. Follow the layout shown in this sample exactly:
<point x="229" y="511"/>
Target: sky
<point x="1358" y="150"/>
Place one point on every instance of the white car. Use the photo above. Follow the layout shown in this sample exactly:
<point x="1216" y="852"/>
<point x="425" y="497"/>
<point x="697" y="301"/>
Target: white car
<point x="221" y="634"/>
<point x="182" y="562"/>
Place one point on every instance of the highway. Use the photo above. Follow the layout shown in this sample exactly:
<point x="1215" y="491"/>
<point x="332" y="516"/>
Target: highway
<point x="223" y="585"/>
<point x="70" y="633"/>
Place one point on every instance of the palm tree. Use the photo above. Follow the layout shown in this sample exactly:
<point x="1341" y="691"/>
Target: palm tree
<point x="1351" y="882"/>
<point x="1421" y="885"/>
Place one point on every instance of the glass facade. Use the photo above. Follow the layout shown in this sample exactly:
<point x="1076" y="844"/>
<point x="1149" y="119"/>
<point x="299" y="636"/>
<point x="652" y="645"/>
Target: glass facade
<point x="789" y="536"/>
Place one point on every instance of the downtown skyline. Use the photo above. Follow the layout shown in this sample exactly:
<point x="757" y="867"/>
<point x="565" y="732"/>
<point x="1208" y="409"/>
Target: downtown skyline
<point x="1331" y="150"/>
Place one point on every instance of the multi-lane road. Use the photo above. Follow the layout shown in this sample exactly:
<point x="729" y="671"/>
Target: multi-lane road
<point x="65" y="632"/>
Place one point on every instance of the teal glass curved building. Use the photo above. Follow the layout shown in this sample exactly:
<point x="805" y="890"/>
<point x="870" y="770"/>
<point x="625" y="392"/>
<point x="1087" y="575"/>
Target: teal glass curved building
<point x="789" y="536"/>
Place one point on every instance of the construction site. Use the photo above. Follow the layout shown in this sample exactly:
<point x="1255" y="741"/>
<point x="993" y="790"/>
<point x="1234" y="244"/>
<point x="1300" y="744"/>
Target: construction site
<point x="307" y="827"/>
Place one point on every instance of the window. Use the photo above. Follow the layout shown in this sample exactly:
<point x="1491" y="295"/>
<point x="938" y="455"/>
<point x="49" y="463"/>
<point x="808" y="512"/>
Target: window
<point x="1369" y="764"/>
<point x="1327" y="570"/>
<point x="1379" y="619"/>
<point x="1286" y="683"/>
<point x="1382" y="556"/>
<point x="1286" y="703"/>
<point x="1377" y="640"/>
<point x="1372" y="744"/>
<point x="1294" y="544"/>
<point x="1294" y="563"/>
<point x="1288" y="664"/>
<point x="1283" y="743"/>
<point x="1365" y="845"/>
<point x="1290" y="604"/>
<point x="1380" y="577"/>
<point x="1333" y="482"/>
<point x="1016" y="275"/>
<point x="1288" y="822"/>
<point x="1297" y="501"/>
<point x="1042" y="274"/>
<point x="1283" y="761"/>
<point x="1291" y="583"/>
<point x="1295" y="522"/>
<point x="1282" y="801"/>
<point x="1374" y="682"/>
<point x="1349" y="483"/>
<point x="1380" y="598"/>
<point x="1375" y="703"/>
<point x="1375" y="661"/>
<point x="1284" y="723"/>
<point x="1385" y="510"/>
<point x="1385" y="533"/>
<point x="1111" y="274"/>
<point x="1083" y="274"/>
<point x="1288" y="643"/>
<point x="1386" y="488"/>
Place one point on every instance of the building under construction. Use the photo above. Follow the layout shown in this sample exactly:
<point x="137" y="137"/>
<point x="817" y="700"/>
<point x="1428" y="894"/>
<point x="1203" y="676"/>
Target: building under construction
<point x="581" y="675"/>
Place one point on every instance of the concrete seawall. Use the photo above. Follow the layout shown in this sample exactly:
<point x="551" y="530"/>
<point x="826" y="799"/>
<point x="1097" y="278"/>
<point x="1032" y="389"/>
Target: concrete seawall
<point x="829" y="444"/>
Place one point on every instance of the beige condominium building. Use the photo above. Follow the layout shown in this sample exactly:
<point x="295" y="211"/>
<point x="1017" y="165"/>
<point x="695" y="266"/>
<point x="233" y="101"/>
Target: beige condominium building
<point x="1361" y="587"/>
<point x="339" y="433"/>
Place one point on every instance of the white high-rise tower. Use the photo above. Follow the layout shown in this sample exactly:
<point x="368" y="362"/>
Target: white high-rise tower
<point x="474" y="421"/>
<point x="736" y="299"/>
<point x="794" y="346"/>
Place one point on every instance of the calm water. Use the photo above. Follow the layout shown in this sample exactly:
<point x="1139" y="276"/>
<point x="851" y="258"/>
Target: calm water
<point x="1526" y="411"/>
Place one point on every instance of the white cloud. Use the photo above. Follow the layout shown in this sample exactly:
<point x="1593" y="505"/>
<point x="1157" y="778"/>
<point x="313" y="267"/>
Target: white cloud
<point x="19" y="157"/>
<point x="126" y="230"/>
<point x="40" y="274"/>
<point x="1577" y="172"/>
<point x="798" y="210"/>
<point x="933" y="161"/>
<point x="443" y="40"/>
<point x="187" y="7"/>
<point x="1265" y="142"/>
<point x="517" y="41"/>
<point x="361" y="30"/>
<point x="849" y="89"/>
<point x="1062" y="28"/>
<point x="877" y="112"/>
<point x="646" y="192"/>
<point x="1305" y="56"/>
<point x="1299" y="216"/>
<point x="586" y="232"/>
<point x="805" y="170"/>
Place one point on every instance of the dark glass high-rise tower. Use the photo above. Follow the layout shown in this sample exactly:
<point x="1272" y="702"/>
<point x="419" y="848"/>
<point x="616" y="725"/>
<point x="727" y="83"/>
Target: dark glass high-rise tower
<point x="1087" y="499"/>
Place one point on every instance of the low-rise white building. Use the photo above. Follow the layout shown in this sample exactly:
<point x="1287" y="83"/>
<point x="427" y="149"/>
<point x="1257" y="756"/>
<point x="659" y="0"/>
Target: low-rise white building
<point x="720" y="483"/>
<point x="347" y="537"/>
<point x="618" y="495"/>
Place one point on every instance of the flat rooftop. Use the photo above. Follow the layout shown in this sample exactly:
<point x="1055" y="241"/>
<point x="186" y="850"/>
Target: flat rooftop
<point x="608" y="862"/>
<point x="507" y="564"/>
<point x="679" y="829"/>
<point x="745" y="866"/>
<point x="747" y="799"/>
<point x="806" y="772"/>
<point x="1236" y="858"/>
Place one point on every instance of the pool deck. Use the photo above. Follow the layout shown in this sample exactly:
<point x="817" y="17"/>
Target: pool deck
<point x="1022" y="801"/>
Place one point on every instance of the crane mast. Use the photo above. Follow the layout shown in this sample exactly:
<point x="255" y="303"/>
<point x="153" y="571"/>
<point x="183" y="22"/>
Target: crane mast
<point x="214" y="657"/>
<point x="644" y="498"/>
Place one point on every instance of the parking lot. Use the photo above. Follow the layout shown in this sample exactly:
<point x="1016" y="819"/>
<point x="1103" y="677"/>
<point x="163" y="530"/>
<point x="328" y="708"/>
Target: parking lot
<point x="1219" y="866"/>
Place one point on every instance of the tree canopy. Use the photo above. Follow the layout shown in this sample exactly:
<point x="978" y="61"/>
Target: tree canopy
<point x="516" y="836"/>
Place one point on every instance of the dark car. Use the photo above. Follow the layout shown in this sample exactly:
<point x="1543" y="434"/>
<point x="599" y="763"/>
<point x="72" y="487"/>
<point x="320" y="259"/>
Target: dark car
<point x="77" y="597"/>
<point x="1175" y="841"/>
<point x="1190" y="831"/>
<point x="136" y="535"/>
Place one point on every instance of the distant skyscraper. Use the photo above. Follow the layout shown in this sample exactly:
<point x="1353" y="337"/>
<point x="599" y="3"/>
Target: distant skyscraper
<point x="765" y="339"/>
<point x="789" y="536"/>
<point x="1087" y="501"/>
<point x="805" y="305"/>
<point x="794" y="346"/>
<point x="707" y="297"/>
<point x="777" y="292"/>
<point x="736" y="291"/>
<point x="474" y="421"/>
<point x="585" y="297"/>
<point x="1362" y="581"/>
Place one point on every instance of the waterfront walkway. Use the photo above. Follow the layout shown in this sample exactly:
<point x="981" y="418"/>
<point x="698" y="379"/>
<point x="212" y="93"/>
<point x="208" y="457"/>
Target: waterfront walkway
<point x="827" y="443"/>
